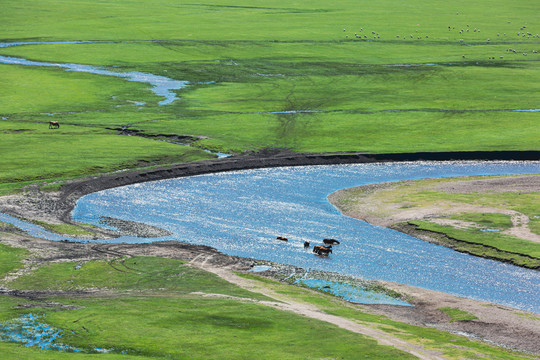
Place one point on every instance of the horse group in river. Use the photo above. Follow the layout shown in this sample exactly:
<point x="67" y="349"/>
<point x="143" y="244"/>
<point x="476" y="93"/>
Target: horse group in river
<point x="320" y="250"/>
<point x="325" y="250"/>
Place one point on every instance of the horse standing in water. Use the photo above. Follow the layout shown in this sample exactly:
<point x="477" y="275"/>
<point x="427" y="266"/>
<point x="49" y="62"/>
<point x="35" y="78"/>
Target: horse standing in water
<point x="322" y="250"/>
<point x="54" y="125"/>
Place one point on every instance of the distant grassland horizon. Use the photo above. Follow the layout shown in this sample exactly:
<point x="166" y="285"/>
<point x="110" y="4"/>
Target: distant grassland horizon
<point x="349" y="75"/>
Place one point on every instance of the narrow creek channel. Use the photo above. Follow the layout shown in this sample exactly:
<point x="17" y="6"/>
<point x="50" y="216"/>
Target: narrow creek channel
<point x="165" y="87"/>
<point x="161" y="85"/>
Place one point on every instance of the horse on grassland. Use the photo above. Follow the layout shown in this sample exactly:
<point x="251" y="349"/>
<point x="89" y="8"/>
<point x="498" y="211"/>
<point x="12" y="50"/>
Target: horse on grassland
<point x="54" y="125"/>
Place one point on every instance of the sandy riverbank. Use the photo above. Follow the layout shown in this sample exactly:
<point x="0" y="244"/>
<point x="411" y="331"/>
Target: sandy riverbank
<point x="498" y="324"/>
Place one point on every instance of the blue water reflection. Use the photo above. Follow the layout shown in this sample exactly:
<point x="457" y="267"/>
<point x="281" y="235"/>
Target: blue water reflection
<point x="352" y="293"/>
<point x="28" y="331"/>
<point x="241" y="213"/>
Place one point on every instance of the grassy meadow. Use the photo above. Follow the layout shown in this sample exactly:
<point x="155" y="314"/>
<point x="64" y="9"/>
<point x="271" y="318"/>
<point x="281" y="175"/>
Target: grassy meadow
<point x="311" y="77"/>
<point x="318" y="76"/>
<point x="149" y="310"/>
<point x="10" y="258"/>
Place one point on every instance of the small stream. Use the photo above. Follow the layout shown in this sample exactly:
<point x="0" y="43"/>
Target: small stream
<point x="161" y="85"/>
<point x="164" y="86"/>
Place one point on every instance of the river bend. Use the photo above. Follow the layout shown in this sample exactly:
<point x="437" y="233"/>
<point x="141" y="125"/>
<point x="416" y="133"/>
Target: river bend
<point x="241" y="213"/>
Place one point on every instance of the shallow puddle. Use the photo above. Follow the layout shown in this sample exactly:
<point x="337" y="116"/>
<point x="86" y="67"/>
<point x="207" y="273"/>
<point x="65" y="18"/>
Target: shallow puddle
<point x="28" y="331"/>
<point x="353" y="293"/>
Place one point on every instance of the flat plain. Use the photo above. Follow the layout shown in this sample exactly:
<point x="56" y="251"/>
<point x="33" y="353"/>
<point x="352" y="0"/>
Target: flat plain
<point x="318" y="76"/>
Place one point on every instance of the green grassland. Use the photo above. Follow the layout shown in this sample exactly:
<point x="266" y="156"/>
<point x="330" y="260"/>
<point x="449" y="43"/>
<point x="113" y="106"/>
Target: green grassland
<point x="144" y="274"/>
<point x="31" y="152"/>
<point x="67" y="229"/>
<point x="457" y="314"/>
<point x="153" y="313"/>
<point x="489" y="245"/>
<point x="424" y="193"/>
<point x="246" y="61"/>
<point x="10" y="258"/>
<point x="150" y="311"/>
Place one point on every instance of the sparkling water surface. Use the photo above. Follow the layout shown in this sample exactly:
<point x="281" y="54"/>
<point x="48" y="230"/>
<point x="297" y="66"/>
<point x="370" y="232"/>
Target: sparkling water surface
<point x="241" y="213"/>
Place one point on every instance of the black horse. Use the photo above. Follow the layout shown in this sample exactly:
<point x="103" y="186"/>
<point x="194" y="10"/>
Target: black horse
<point x="330" y="241"/>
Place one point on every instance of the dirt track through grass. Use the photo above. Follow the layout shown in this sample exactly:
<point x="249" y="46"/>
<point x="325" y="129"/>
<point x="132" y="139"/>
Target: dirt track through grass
<point x="286" y="303"/>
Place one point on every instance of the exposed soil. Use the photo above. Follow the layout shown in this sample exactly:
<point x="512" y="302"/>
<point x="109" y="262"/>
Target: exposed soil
<point x="498" y="324"/>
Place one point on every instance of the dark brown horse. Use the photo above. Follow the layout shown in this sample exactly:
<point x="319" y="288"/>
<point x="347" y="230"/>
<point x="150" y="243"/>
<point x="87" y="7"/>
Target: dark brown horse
<point x="321" y="250"/>
<point x="54" y="125"/>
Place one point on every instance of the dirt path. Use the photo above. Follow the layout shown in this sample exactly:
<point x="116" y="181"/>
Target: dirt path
<point x="285" y="303"/>
<point x="507" y="327"/>
<point x="519" y="227"/>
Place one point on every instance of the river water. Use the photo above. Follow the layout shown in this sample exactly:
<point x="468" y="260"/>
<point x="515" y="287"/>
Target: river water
<point x="241" y="213"/>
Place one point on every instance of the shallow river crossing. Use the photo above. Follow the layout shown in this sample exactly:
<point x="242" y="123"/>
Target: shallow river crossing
<point x="241" y="213"/>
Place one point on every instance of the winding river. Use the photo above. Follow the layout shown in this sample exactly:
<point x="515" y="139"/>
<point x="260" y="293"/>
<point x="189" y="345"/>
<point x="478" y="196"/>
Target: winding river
<point x="241" y="213"/>
<point x="164" y="86"/>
